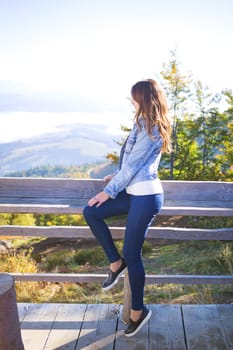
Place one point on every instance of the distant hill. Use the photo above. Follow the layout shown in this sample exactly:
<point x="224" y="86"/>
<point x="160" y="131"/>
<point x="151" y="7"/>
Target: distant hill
<point x="96" y="170"/>
<point x="99" y="171"/>
<point x="76" y="145"/>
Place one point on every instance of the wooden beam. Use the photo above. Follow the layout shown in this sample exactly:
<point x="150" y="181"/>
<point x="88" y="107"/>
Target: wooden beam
<point x="69" y="209"/>
<point x="99" y="278"/>
<point x="117" y="232"/>
<point x="196" y="211"/>
<point x="21" y="187"/>
<point x="56" y="196"/>
<point x="41" y="208"/>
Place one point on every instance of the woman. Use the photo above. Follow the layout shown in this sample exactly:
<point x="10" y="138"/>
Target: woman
<point x="134" y="189"/>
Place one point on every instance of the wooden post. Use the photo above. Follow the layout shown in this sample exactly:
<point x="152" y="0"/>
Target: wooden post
<point x="127" y="298"/>
<point x="10" y="335"/>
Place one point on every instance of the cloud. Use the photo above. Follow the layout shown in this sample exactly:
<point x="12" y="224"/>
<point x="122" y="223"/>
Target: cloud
<point x="17" y="97"/>
<point x="54" y="103"/>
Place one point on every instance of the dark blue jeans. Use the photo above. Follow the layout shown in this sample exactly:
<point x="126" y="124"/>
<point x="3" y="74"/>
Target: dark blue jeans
<point x="141" y="211"/>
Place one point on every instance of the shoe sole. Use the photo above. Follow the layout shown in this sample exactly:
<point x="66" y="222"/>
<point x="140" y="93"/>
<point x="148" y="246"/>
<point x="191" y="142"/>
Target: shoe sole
<point x="146" y="319"/>
<point x="115" y="282"/>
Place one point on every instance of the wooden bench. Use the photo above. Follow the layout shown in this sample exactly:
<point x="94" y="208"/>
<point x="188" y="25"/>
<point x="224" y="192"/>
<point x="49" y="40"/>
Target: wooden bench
<point x="69" y="196"/>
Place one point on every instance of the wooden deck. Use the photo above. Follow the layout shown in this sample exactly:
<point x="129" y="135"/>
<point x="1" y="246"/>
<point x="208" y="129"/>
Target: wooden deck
<point x="99" y="326"/>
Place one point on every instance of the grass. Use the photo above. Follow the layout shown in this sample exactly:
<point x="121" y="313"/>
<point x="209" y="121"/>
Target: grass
<point x="191" y="258"/>
<point x="80" y="256"/>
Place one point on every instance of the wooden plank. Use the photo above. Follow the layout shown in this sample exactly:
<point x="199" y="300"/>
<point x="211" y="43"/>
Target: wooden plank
<point x="43" y="202"/>
<point x="60" y="277"/>
<point x="99" y="327"/>
<point x="166" y="328"/>
<point x="69" y="188"/>
<point x="189" y="279"/>
<point x="66" y="327"/>
<point x="67" y="207"/>
<point x="193" y="204"/>
<point x="23" y="309"/>
<point x="117" y="232"/>
<point x="22" y="187"/>
<point x="37" y="325"/>
<point x="47" y="231"/>
<point x="99" y="278"/>
<point x="206" y="327"/>
<point x="196" y="211"/>
<point x="187" y="196"/>
<point x="184" y="234"/>
<point x="226" y="319"/>
<point x="203" y="328"/>
<point x="40" y="208"/>
<point x="198" y="190"/>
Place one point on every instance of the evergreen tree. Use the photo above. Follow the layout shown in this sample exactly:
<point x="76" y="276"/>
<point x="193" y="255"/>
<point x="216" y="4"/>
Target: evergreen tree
<point x="225" y="145"/>
<point x="177" y="87"/>
<point x="206" y="137"/>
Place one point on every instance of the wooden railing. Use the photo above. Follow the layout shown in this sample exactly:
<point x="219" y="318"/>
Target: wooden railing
<point x="69" y="196"/>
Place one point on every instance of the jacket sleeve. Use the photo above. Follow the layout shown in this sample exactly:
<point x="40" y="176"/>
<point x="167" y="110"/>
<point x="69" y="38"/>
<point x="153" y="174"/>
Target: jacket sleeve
<point x="133" y="161"/>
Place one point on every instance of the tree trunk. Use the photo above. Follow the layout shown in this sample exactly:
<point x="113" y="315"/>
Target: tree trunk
<point x="10" y="335"/>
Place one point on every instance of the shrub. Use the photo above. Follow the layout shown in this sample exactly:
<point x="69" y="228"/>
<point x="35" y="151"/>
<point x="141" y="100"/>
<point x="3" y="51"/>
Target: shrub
<point x="92" y="256"/>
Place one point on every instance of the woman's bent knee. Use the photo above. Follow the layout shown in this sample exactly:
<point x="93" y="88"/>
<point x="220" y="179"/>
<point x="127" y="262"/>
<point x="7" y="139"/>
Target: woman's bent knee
<point x="87" y="212"/>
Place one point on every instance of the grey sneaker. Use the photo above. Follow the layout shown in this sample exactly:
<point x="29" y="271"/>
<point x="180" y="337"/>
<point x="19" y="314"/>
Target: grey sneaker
<point x="113" y="277"/>
<point x="134" y="327"/>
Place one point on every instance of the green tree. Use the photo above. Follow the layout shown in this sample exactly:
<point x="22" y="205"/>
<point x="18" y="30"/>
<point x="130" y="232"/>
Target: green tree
<point x="225" y="154"/>
<point x="207" y="139"/>
<point x="187" y="158"/>
<point x="204" y="140"/>
<point x="177" y="87"/>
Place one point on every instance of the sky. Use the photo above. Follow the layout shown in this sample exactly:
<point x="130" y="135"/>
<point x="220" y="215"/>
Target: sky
<point x="73" y="60"/>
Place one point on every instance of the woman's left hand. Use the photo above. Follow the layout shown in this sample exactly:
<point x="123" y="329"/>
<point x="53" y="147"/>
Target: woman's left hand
<point x="99" y="199"/>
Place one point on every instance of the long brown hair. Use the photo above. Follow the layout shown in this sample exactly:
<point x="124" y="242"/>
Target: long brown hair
<point x="153" y="108"/>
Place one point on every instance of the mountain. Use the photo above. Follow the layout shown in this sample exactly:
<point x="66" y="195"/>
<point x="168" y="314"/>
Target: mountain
<point x="75" y="144"/>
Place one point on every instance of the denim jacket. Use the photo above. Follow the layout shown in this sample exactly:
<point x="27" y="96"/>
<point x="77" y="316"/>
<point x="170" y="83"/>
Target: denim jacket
<point x="139" y="160"/>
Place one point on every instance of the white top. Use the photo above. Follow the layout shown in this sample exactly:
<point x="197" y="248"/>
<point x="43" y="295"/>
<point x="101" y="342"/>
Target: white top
<point x="145" y="187"/>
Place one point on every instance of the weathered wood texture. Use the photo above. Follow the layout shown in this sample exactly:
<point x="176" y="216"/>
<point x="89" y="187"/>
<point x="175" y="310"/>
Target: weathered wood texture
<point x="99" y="278"/>
<point x="10" y="335"/>
<point x="127" y="298"/>
<point x="89" y="327"/>
<point x="33" y="195"/>
<point x="70" y="195"/>
<point x="177" y="233"/>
